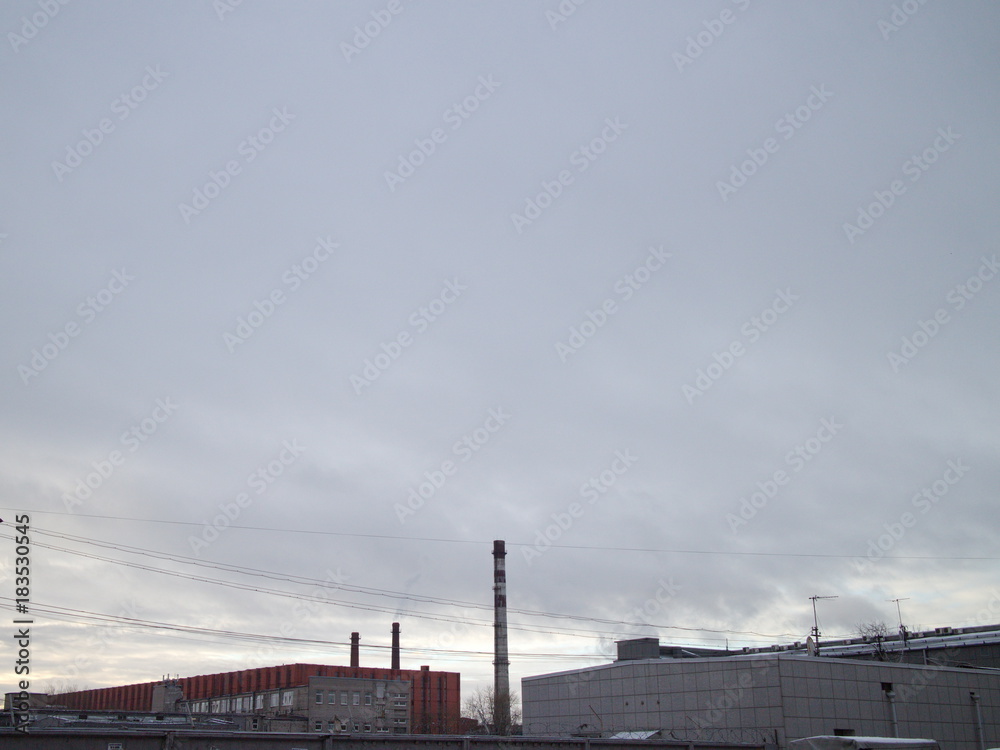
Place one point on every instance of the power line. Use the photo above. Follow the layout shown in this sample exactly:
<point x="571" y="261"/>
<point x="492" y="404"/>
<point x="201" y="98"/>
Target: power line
<point x="396" y="537"/>
<point x="69" y="614"/>
<point x="365" y="591"/>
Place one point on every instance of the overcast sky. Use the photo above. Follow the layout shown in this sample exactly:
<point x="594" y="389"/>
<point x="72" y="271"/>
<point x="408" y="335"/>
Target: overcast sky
<point x="695" y="305"/>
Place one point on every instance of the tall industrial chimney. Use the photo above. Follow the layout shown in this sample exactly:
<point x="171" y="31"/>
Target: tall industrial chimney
<point x="395" y="646"/>
<point x="501" y="664"/>
<point x="355" y="648"/>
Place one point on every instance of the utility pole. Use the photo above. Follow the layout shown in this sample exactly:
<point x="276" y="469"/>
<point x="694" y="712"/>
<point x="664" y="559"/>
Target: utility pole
<point x="815" y="630"/>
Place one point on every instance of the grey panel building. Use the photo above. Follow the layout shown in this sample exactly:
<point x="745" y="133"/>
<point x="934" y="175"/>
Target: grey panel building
<point x="766" y="697"/>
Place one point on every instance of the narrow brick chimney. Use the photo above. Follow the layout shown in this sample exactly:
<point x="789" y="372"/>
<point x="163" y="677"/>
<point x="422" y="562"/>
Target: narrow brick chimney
<point x="355" y="649"/>
<point x="395" y="646"/>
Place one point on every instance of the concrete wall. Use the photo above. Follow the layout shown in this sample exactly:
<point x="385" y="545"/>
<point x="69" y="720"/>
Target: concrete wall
<point x="707" y="698"/>
<point x="765" y="698"/>
<point x="934" y="702"/>
<point x="66" y="740"/>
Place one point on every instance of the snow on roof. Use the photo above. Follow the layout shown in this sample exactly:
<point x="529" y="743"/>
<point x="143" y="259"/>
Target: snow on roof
<point x="831" y="742"/>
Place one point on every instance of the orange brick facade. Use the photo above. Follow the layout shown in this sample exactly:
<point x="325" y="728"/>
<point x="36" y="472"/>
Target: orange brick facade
<point x="435" y="696"/>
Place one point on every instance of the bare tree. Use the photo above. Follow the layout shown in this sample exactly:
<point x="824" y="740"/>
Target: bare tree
<point x="481" y="707"/>
<point x="70" y="687"/>
<point x="875" y="632"/>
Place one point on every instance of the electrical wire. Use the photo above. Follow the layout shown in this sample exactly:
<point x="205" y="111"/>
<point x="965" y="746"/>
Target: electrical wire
<point x="393" y="537"/>
<point x="69" y="614"/>
<point x="364" y="590"/>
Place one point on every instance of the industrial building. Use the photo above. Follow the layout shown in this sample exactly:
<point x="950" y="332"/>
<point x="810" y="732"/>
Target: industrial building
<point x="971" y="646"/>
<point x="772" y="696"/>
<point x="974" y="646"/>
<point x="300" y="697"/>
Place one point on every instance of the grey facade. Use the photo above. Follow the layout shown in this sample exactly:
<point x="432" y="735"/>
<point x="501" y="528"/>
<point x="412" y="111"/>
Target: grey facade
<point x="770" y="698"/>
<point x="327" y="704"/>
<point x="339" y="704"/>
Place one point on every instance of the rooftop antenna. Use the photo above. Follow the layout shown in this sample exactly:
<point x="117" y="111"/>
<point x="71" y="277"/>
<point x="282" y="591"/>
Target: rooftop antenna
<point x="815" y="630"/>
<point x="899" y="614"/>
<point x="902" y="628"/>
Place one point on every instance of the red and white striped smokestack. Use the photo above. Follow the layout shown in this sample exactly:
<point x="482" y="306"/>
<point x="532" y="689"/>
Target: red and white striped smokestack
<point x="501" y="664"/>
<point x="395" y="646"/>
<point x="355" y="649"/>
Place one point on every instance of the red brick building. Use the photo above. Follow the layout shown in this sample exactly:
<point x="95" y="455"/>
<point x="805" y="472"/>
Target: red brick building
<point x="433" y="698"/>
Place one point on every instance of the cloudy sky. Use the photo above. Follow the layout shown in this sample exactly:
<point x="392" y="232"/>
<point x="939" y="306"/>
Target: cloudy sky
<point x="304" y="304"/>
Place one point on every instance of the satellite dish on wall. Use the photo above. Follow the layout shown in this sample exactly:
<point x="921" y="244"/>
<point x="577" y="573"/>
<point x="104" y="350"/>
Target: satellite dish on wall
<point x="810" y="646"/>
